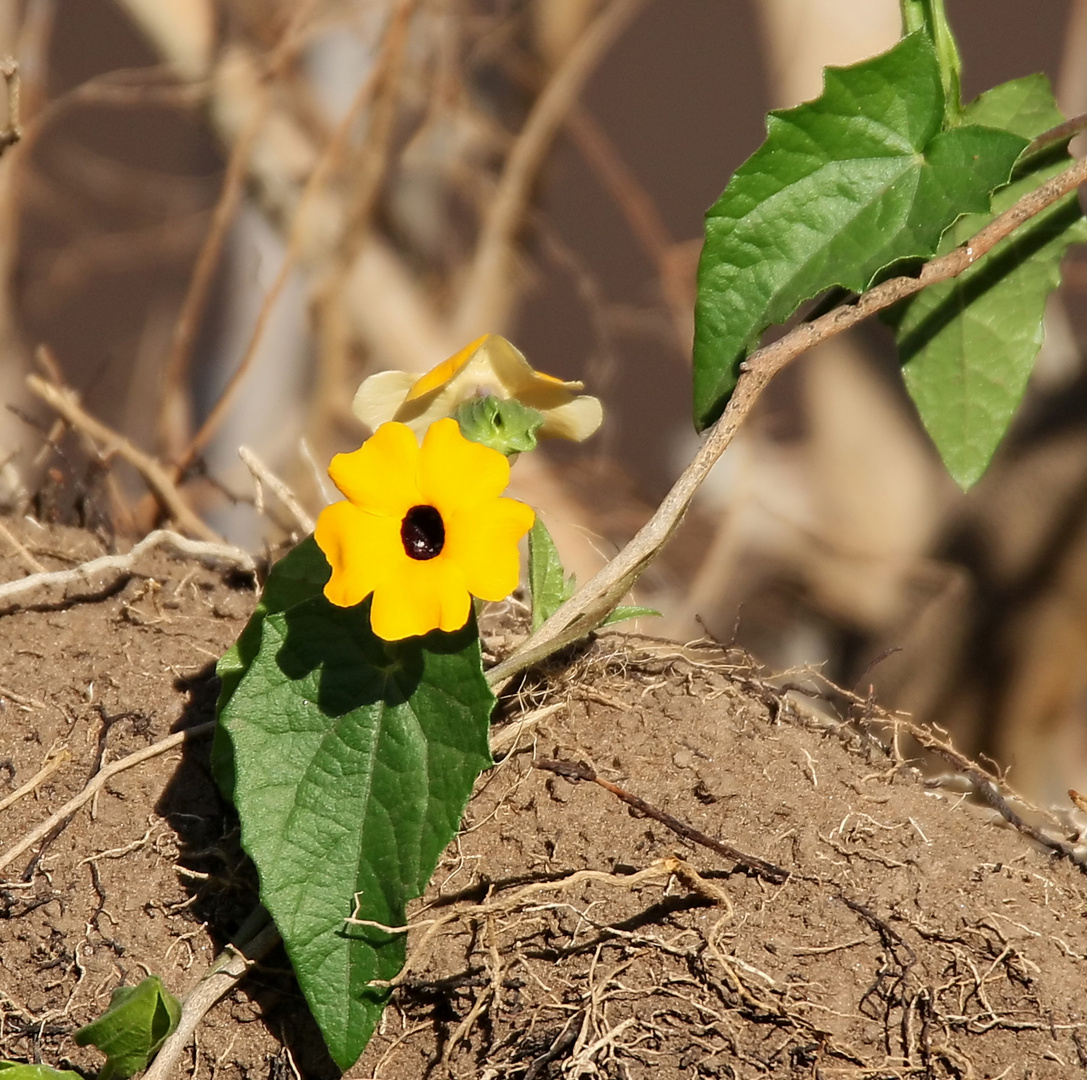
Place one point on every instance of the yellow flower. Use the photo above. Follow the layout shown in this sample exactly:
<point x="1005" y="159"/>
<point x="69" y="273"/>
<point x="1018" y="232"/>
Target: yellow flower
<point x="422" y="528"/>
<point x="489" y="365"/>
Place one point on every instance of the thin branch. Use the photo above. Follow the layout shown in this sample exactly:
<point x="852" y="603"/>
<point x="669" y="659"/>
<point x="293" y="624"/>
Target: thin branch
<point x="156" y="477"/>
<point x="37" y="779"/>
<point x="480" y="308"/>
<point x="330" y="157"/>
<point x="371" y="163"/>
<point x="87" y="573"/>
<point x="1059" y="134"/>
<point x="124" y="88"/>
<point x="97" y="782"/>
<point x="584" y="611"/>
<point x="368" y="168"/>
<point x="263" y="475"/>
<point x="995" y="792"/>
<point x="644" y="219"/>
<point x="21" y="549"/>
<point x="11" y="131"/>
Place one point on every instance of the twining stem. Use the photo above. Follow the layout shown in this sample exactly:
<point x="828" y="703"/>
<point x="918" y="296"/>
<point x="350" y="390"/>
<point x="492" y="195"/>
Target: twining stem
<point x="584" y="611"/>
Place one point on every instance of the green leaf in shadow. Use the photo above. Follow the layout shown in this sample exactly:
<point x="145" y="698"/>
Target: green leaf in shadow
<point x="300" y="575"/>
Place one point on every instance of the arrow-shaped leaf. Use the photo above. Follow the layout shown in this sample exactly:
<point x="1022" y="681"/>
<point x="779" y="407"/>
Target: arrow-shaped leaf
<point x="354" y="760"/>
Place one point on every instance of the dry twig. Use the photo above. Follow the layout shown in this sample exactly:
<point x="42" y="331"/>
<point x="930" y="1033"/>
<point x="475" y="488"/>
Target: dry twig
<point x="20" y="549"/>
<point x="330" y="157"/>
<point x="15" y="592"/>
<point x="156" y="477"/>
<point x="579" y="770"/>
<point x="256" y="939"/>
<point x="11" y="131"/>
<point x="176" y="364"/>
<point x="262" y="475"/>
<point x="36" y="780"/>
<point x="486" y="292"/>
<point x="661" y="870"/>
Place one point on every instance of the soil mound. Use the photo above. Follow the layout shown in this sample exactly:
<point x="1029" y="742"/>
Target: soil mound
<point x="567" y="932"/>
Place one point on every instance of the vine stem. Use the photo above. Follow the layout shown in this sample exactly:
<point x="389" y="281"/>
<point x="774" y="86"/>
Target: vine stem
<point x="584" y="611"/>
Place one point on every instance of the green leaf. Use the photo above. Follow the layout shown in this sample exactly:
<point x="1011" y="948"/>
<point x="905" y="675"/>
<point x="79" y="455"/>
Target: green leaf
<point x="355" y="759"/>
<point x="968" y="345"/>
<point x="843" y="188"/>
<point x="300" y="575"/>
<point x="18" y="1070"/>
<point x="131" y="1030"/>
<point x="551" y="588"/>
<point x="622" y="612"/>
<point x="547" y="579"/>
<point x="929" y="16"/>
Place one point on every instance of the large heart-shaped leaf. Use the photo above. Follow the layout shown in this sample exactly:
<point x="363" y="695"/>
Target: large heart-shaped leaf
<point x="353" y="761"/>
<point x="843" y="187"/>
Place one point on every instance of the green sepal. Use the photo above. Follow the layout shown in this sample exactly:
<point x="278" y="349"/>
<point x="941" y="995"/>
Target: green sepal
<point x="138" y="1021"/>
<point x="503" y="424"/>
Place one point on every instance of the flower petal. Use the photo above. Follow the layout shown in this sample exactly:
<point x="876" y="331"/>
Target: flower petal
<point x="463" y="376"/>
<point x="516" y="375"/>
<point x="575" y="420"/>
<point x="379" y="396"/>
<point x="421" y="596"/>
<point x="438" y="376"/>
<point x="381" y="477"/>
<point x="362" y="550"/>
<point x="456" y="473"/>
<point x="489" y="365"/>
<point x="483" y="540"/>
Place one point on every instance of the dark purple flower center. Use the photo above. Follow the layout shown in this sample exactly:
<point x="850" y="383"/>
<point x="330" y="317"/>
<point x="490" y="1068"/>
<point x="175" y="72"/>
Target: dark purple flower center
<point x="422" y="532"/>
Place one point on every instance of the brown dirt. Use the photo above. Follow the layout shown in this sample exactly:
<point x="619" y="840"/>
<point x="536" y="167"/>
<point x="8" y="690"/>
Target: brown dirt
<point x="565" y="934"/>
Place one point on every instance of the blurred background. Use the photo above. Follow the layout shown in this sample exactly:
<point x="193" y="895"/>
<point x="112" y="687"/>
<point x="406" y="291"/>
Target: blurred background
<point x="223" y="214"/>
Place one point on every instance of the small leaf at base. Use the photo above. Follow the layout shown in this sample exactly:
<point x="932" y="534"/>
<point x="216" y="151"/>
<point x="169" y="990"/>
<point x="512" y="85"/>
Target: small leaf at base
<point x="138" y="1021"/>
<point x="547" y="579"/>
<point x="621" y="613"/>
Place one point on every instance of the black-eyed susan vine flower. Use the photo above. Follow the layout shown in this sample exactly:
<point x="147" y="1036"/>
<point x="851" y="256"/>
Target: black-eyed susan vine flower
<point x="423" y="528"/>
<point x="490" y="365"/>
